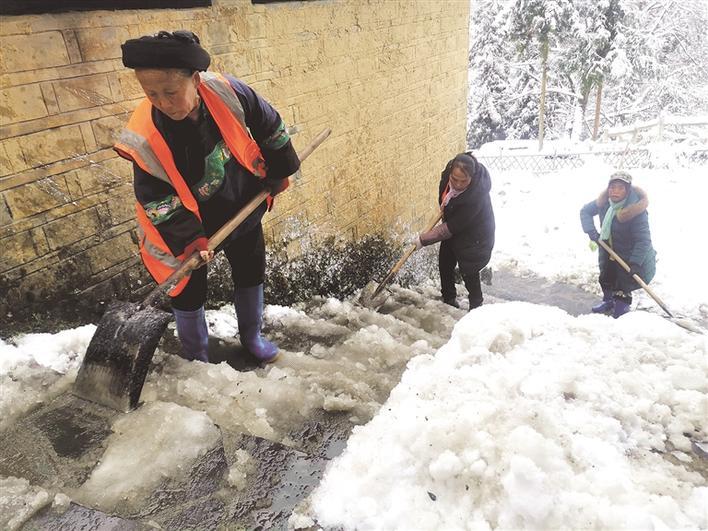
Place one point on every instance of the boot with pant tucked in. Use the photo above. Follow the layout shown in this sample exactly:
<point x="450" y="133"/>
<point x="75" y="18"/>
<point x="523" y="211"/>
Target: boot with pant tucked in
<point x="249" y="312"/>
<point x="623" y="303"/>
<point x="607" y="304"/>
<point x="193" y="333"/>
<point x="446" y="264"/>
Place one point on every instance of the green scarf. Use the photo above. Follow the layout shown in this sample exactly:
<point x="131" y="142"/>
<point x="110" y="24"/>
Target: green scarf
<point x="606" y="230"/>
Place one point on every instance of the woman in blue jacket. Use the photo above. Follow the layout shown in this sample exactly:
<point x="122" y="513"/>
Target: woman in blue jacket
<point x="622" y="209"/>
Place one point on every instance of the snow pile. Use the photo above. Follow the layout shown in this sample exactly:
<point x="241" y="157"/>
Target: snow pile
<point x="155" y="442"/>
<point x="60" y="352"/>
<point x="530" y="418"/>
<point x="38" y="367"/>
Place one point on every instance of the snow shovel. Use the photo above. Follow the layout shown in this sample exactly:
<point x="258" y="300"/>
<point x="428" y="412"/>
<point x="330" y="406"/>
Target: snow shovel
<point x="617" y="258"/>
<point x="114" y="368"/>
<point x="371" y="295"/>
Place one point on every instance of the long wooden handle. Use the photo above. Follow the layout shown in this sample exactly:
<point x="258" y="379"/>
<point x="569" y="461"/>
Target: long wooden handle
<point x="195" y="259"/>
<point x="638" y="279"/>
<point x="221" y="234"/>
<point x="404" y="258"/>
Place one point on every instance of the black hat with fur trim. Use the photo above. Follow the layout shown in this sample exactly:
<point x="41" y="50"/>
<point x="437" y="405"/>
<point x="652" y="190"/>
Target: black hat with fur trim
<point x="179" y="49"/>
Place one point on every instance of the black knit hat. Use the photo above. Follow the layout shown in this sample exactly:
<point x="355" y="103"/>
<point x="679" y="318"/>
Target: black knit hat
<point x="179" y="49"/>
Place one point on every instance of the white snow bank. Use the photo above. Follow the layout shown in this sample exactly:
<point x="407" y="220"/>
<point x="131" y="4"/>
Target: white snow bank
<point x="157" y="441"/>
<point x="38" y="367"/>
<point x="60" y="352"/>
<point x="530" y="418"/>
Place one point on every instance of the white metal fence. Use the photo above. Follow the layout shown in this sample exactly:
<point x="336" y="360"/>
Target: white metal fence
<point x="650" y="144"/>
<point x="545" y="162"/>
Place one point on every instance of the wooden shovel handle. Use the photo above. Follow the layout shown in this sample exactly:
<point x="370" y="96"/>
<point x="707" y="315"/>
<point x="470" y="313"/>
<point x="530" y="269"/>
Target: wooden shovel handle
<point x="195" y="259"/>
<point x="617" y="258"/>
<point x="405" y="257"/>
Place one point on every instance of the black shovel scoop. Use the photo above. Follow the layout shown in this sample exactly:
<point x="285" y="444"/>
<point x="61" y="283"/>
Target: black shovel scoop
<point x="114" y="368"/>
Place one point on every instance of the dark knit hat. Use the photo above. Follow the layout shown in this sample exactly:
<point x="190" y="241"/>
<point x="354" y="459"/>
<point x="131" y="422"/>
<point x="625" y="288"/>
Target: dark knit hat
<point x="623" y="176"/>
<point x="179" y="49"/>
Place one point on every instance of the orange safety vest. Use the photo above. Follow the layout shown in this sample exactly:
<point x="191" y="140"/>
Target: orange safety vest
<point x="142" y="143"/>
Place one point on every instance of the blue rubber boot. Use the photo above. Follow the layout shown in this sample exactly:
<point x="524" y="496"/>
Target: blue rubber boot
<point x="607" y="304"/>
<point x="249" y="312"/>
<point x="193" y="334"/>
<point x="622" y="306"/>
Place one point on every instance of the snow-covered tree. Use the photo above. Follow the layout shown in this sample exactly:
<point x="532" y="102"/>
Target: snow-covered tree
<point x="643" y="57"/>
<point x="586" y="57"/>
<point x="536" y="24"/>
<point x="490" y="73"/>
<point x="661" y="64"/>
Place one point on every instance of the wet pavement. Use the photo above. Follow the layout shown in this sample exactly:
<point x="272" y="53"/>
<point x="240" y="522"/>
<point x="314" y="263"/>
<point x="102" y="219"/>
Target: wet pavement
<point x="507" y="286"/>
<point x="58" y="444"/>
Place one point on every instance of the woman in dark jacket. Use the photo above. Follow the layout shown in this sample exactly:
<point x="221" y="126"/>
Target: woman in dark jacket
<point x="466" y="234"/>
<point x="624" y="221"/>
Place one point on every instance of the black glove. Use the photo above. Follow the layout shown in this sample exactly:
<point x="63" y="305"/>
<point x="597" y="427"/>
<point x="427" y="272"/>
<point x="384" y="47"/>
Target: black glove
<point x="594" y="235"/>
<point x="634" y="269"/>
<point x="275" y="186"/>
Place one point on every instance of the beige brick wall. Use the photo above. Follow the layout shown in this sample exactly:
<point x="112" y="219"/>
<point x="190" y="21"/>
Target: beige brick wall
<point x="388" y="76"/>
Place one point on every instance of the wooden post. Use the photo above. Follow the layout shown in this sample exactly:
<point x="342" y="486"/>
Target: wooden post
<point x="598" y="103"/>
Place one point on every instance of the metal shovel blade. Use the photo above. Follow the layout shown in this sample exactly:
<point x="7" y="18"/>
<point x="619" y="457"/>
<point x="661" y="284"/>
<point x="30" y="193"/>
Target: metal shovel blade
<point x="118" y="357"/>
<point x="370" y="299"/>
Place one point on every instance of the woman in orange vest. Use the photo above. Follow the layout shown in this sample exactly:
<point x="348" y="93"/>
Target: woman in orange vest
<point x="202" y="145"/>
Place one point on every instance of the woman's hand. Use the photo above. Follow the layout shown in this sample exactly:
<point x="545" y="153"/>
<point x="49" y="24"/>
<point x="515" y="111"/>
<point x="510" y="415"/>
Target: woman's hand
<point x="201" y="245"/>
<point x="207" y="256"/>
<point x="415" y="240"/>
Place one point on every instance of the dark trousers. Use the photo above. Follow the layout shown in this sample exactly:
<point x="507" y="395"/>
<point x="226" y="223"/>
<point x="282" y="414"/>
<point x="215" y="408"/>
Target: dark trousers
<point x="614" y="279"/>
<point x="246" y="255"/>
<point x="446" y="264"/>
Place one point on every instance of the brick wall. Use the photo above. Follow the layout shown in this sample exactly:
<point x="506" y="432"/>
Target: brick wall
<point x="389" y="77"/>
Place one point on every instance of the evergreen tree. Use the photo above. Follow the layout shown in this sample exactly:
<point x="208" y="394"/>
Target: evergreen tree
<point x="536" y="25"/>
<point x="586" y="59"/>
<point x="646" y="56"/>
<point x="661" y="66"/>
<point x="489" y="72"/>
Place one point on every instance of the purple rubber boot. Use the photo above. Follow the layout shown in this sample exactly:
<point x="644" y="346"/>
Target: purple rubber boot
<point x="607" y="304"/>
<point x="193" y="334"/>
<point x="249" y="312"/>
<point x="622" y="306"/>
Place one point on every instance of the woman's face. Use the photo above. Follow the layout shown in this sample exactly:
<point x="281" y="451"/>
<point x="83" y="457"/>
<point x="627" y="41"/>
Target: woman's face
<point x="170" y="91"/>
<point x="459" y="180"/>
<point x="617" y="191"/>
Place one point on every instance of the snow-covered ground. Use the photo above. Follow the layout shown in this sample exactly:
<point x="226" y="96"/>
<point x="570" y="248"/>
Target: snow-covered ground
<point x="526" y="418"/>
<point x="529" y="418"/>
